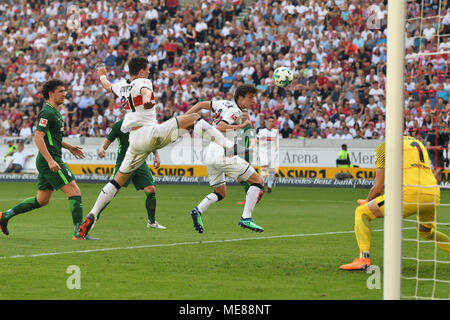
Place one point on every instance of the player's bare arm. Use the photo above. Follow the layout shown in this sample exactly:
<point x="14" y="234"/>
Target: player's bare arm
<point x="222" y="126"/>
<point x="378" y="186"/>
<point x="40" y="144"/>
<point x="156" y="160"/>
<point x="75" y="150"/>
<point x="101" y="72"/>
<point x="147" y="98"/>
<point x="203" y="105"/>
<point x="105" y="145"/>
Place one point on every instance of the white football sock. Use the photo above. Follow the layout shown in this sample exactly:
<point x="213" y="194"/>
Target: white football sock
<point x="212" y="134"/>
<point x="106" y="195"/>
<point x="263" y="175"/>
<point x="250" y="201"/>
<point x="270" y="180"/>
<point x="207" y="201"/>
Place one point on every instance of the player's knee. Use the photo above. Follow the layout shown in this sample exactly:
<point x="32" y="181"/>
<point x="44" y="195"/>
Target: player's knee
<point x="258" y="185"/>
<point x="364" y="211"/>
<point x="255" y="178"/>
<point x="74" y="191"/>
<point x="259" y="181"/>
<point x="221" y="190"/>
<point x="150" y="189"/>
<point x="220" y="196"/>
<point x="43" y="202"/>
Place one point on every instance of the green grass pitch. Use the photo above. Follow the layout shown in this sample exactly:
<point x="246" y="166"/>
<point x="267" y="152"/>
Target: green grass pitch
<point x="308" y="235"/>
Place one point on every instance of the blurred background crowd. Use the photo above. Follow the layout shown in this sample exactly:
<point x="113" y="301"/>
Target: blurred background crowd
<point x="201" y="50"/>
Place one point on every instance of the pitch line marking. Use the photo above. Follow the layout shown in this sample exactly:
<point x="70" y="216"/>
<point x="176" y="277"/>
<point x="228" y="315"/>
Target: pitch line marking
<point x="180" y="244"/>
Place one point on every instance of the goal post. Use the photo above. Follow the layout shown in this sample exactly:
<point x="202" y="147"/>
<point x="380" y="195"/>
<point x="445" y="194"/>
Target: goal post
<point x="395" y="66"/>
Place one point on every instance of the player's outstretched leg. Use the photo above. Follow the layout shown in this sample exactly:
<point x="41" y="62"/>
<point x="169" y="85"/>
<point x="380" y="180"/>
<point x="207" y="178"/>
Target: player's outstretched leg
<point x="254" y="194"/>
<point x="210" y="133"/>
<point x="106" y="195"/>
<point x="22" y="207"/>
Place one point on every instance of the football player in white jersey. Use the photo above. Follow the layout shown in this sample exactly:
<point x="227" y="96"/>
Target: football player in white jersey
<point x="227" y="117"/>
<point x="146" y="135"/>
<point x="267" y="139"/>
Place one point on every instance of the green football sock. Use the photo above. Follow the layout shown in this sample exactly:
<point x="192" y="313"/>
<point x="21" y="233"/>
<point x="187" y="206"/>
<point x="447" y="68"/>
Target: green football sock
<point x="246" y="185"/>
<point x="76" y="209"/>
<point x="25" y="206"/>
<point x="150" y="205"/>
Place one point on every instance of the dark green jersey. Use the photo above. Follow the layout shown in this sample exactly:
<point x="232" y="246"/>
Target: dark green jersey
<point x="245" y="136"/>
<point x="122" y="139"/>
<point x="51" y="123"/>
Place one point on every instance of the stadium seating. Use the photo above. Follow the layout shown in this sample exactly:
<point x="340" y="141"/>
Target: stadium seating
<point x="203" y="49"/>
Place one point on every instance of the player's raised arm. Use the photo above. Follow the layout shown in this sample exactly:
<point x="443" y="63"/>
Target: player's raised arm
<point x="101" y="72"/>
<point x="200" y="106"/>
<point x="147" y="98"/>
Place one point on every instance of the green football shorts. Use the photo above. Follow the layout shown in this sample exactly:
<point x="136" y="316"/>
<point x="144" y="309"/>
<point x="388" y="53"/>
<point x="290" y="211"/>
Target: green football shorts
<point x="48" y="179"/>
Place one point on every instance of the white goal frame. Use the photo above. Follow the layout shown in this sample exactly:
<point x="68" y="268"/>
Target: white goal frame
<point x="394" y="149"/>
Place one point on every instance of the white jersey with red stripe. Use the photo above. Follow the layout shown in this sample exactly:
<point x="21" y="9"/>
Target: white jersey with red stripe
<point x="268" y="138"/>
<point x="228" y="112"/>
<point x="129" y="93"/>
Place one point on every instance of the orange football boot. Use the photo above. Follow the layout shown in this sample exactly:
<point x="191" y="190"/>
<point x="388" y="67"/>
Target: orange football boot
<point x="3" y="224"/>
<point x="357" y="264"/>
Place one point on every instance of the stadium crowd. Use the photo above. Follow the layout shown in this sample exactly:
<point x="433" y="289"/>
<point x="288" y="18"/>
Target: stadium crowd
<point x="202" y="50"/>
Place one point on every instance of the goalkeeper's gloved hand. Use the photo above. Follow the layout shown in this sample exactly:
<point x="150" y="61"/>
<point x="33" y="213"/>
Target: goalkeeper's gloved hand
<point x="361" y="201"/>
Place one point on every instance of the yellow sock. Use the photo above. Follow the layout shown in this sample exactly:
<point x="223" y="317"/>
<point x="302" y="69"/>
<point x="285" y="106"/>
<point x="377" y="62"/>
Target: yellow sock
<point x="363" y="231"/>
<point x="443" y="241"/>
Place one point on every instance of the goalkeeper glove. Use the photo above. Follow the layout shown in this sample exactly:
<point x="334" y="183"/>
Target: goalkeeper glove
<point x="361" y="201"/>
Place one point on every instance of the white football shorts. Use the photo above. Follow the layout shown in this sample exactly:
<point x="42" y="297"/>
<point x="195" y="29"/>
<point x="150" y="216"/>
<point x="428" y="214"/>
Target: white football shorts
<point x="233" y="167"/>
<point x="147" y="139"/>
<point x="268" y="159"/>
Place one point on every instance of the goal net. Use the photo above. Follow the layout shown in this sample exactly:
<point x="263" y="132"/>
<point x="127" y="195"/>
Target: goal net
<point x="424" y="265"/>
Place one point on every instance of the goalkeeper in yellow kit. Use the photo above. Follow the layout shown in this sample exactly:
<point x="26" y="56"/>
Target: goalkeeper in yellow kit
<point x="421" y="196"/>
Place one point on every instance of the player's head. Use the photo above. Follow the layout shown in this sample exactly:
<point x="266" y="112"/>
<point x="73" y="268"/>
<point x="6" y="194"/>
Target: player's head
<point x="54" y="90"/>
<point x="138" y="67"/>
<point x="245" y="95"/>
<point x="270" y="123"/>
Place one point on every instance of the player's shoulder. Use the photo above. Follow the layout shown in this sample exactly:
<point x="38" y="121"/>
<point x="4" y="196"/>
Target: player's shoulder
<point x="381" y="148"/>
<point x="225" y="104"/>
<point x="121" y="83"/>
<point x="118" y="124"/>
<point x="46" y="110"/>
<point x="411" y="141"/>
<point x="261" y="131"/>
<point x="142" y="83"/>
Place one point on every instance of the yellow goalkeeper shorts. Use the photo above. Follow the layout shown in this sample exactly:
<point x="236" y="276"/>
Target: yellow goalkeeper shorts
<point x="416" y="201"/>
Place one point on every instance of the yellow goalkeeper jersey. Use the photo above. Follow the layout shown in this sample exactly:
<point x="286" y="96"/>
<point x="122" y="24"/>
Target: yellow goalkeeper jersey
<point x="416" y="164"/>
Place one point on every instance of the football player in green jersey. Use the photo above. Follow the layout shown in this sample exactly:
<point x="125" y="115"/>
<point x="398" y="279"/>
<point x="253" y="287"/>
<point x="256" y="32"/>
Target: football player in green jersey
<point x="53" y="172"/>
<point x="246" y="138"/>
